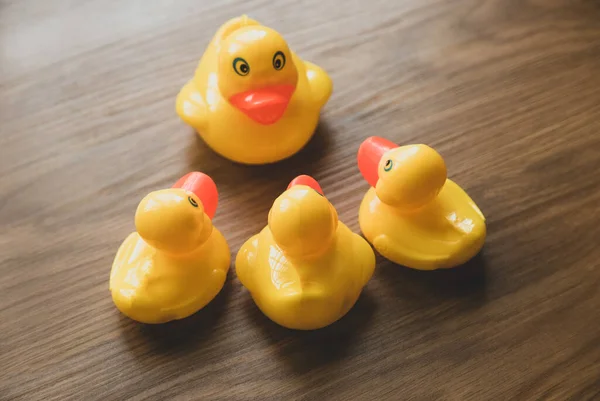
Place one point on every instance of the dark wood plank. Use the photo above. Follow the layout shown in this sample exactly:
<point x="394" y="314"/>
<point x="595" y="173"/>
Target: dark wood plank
<point x="507" y="91"/>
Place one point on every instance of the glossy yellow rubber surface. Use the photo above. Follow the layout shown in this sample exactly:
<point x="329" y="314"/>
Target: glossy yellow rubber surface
<point x="252" y="99"/>
<point x="174" y="265"/>
<point x="305" y="270"/>
<point x="417" y="217"/>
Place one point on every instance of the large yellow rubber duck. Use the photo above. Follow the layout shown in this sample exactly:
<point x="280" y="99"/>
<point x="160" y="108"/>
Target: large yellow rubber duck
<point x="305" y="270"/>
<point x="413" y="214"/>
<point x="176" y="262"/>
<point x="252" y="99"/>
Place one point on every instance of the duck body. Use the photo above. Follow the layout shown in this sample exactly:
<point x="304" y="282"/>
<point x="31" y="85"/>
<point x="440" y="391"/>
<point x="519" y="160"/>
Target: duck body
<point x="177" y="261"/>
<point x="324" y="291"/>
<point x="261" y="117"/>
<point x="413" y="214"/>
<point x="446" y="233"/>
<point x="309" y="290"/>
<point x="151" y="286"/>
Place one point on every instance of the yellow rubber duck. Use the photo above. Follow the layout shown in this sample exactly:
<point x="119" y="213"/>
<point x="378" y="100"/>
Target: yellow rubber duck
<point x="176" y="262"/>
<point x="305" y="270"/>
<point x="413" y="214"/>
<point x="252" y="99"/>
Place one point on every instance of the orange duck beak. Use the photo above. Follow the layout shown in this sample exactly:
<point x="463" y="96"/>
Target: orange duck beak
<point x="308" y="181"/>
<point x="264" y="105"/>
<point x="203" y="187"/>
<point x="369" y="155"/>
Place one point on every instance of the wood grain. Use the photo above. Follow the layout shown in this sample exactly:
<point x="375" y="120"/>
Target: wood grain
<point x="507" y="91"/>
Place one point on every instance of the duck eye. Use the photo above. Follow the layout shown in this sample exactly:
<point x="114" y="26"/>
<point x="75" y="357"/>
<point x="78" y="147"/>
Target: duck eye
<point x="193" y="201"/>
<point x="388" y="165"/>
<point x="241" y="66"/>
<point x="279" y="60"/>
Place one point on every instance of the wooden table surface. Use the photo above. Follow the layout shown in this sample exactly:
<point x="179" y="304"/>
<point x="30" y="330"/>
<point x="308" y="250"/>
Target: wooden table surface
<point x="507" y="91"/>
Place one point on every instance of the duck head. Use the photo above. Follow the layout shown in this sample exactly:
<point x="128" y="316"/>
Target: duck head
<point x="407" y="177"/>
<point x="178" y="220"/>
<point x="302" y="220"/>
<point x="256" y="71"/>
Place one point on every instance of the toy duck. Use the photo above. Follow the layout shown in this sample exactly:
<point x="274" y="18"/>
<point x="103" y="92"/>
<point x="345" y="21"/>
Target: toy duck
<point x="252" y="99"/>
<point x="412" y="214"/>
<point x="176" y="262"/>
<point x="305" y="269"/>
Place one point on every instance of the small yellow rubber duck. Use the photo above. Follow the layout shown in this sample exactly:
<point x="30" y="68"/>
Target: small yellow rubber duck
<point x="305" y="270"/>
<point x="413" y="215"/>
<point x="252" y="99"/>
<point x="176" y="262"/>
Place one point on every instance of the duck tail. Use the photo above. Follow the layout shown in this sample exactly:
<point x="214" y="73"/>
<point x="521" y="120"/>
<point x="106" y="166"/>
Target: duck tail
<point x="233" y="25"/>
